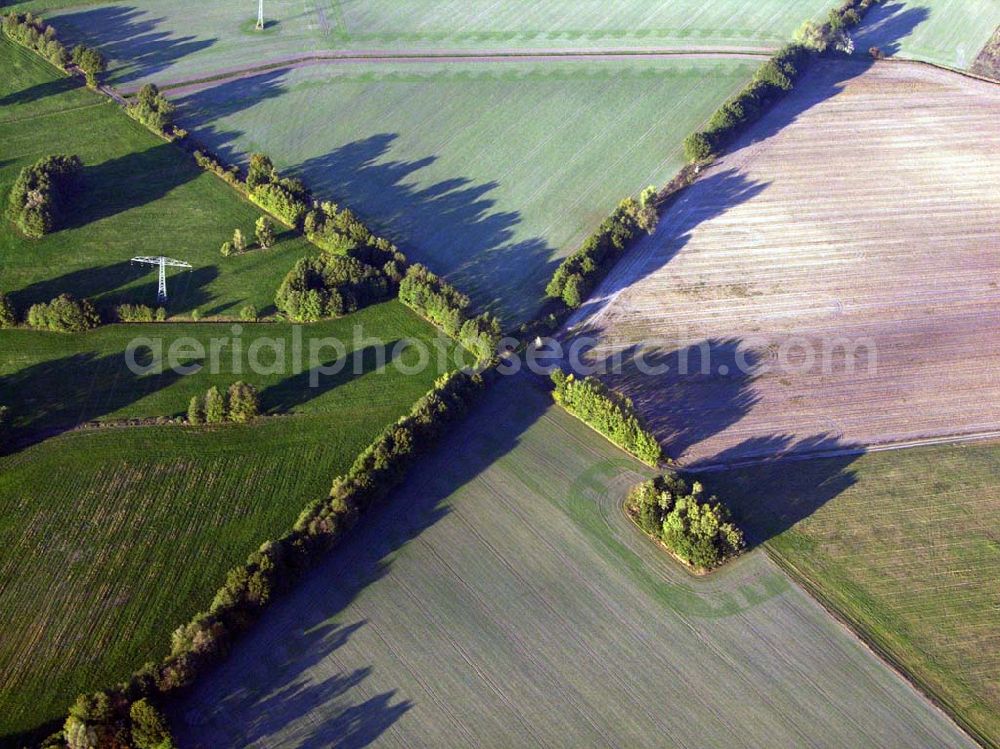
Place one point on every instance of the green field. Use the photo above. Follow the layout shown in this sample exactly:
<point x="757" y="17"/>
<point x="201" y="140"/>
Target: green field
<point x="948" y="32"/>
<point x="504" y="600"/>
<point x="142" y="197"/>
<point x="170" y="40"/>
<point x="488" y="172"/>
<point x="905" y="545"/>
<point x="54" y="381"/>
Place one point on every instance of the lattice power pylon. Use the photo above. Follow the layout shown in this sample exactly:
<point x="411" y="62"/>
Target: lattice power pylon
<point x="162" y="263"/>
<point x="260" y="15"/>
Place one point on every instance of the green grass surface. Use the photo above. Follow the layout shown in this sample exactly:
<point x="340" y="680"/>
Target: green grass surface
<point x="487" y="172"/>
<point x="905" y="546"/>
<point x="168" y="40"/>
<point x="56" y="380"/>
<point x="113" y="537"/>
<point x="503" y="599"/>
<point x="142" y="197"/>
<point x="949" y="32"/>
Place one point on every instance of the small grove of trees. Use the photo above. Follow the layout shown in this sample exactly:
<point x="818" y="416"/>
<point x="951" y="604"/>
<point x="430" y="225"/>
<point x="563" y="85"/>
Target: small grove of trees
<point x="64" y="314"/>
<point x="341" y="232"/>
<point x="433" y="298"/>
<point x="42" y="192"/>
<point x="32" y="32"/>
<point x="139" y="313"/>
<point x="607" y="412"/>
<point x="153" y="110"/>
<point x="698" y="530"/>
<point x="239" y="404"/>
<point x="91" y="62"/>
<point x="263" y="233"/>
<point x="285" y="197"/>
<point x="251" y="586"/>
<point x="97" y="720"/>
<point x="578" y="274"/>
<point x="330" y="286"/>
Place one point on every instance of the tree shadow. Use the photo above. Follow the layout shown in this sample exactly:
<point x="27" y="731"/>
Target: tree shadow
<point x="41" y="91"/>
<point x="770" y="496"/>
<point x="54" y="396"/>
<point x="887" y="25"/>
<point x="111" y="285"/>
<point x="273" y="666"/>
<point x="299" y="389"/>
<point x="130" y="181"/>
<point x="130" y="35"/>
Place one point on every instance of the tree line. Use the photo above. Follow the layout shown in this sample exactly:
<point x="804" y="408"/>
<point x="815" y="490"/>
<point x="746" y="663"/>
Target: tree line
<point x="42" y="192"/>
<point x="35" y="34"/>
<point x="111" y="715"/>
<point x="607" y="412"/>
<point x="699" y="531"/>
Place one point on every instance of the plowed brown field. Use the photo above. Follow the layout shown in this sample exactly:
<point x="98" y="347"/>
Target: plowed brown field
<point x="865" y="208"/>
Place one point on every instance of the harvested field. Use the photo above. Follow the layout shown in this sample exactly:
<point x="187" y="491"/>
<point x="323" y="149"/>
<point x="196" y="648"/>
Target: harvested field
<point x="841" y="268"/>
<point x="987" y="62"/>
<point x="904" y="545"/>
<point x="505" y="600"/>
<point x="168" y="40"/>
<point x="947" y="32"/>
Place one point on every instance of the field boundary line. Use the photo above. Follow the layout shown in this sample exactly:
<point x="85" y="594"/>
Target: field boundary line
<point x="941" y="67"/>
<point x="861" y="449"/>
<point x="871" y="643"/>
<point x="457" y="56"/>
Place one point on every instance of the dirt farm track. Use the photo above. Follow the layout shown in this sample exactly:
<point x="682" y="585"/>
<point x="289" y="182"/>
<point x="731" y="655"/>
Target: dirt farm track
<point x="864" y="209"/>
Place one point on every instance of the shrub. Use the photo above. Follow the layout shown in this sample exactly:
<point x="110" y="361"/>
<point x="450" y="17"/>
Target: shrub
<point x="64" y="314"/>
<point x="329" y="286"/>
<point x="249" y="313"/>
<point x="8" y="315"/>
<point x="607" y="412"/>
<point x="244" y="402"/>
<point x="196" y="411"/>
<point x="153" y="110"/>
<point x="264" y="233"/>
<point x="239" y="242"/>
<point x="697" y="530"/>
<point x="227" y="249"/>
<point x="149" y="726"/>
<point x="215" y="406"/>
<point x="41" y="193"/>
<point x="139" y="313"/>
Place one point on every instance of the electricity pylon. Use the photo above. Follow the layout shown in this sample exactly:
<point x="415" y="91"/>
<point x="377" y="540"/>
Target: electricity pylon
<point x="260" y="15"/>
<point x="162" y="262"/>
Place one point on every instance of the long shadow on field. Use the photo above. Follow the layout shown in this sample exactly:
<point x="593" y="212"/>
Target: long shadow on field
<point x="452" y="225"/>
<point x="130" y="181"/>
<point x="302" y="388"/>
<point x="51" y="397"/>
<point x="887" y="25"/>
<point x="268" y="686"/>
<point x="130" y="35"/>
<point x="203" y="107"/>
<point x="106" y="283"/>
<point x="40" y="91"/>
<point x="769" y="497"/>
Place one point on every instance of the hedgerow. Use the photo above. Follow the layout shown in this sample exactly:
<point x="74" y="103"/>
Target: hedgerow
<point x="153" y="110"/>
<point x="32" y="32"/>
<point x="139" y="313"/>
<point x="42" y="192"/>
<point x="609" y="413"/>
<point x="435" y="299"/>
<point x="699" y="531"/>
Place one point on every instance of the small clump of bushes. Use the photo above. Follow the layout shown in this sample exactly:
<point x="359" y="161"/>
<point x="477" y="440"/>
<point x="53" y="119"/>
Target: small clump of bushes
<point x="698" y="530"/>
<point x="42" y="192"/>
<point x="239" y="404"/>
<point x="438" y="301"/>
<point x="139" y="313"/>
<point x="64" y="314"/>
<point x="8" y="313"/>
<point x="284" y="197"/>
<point x="327" y="285"/>
<point x="152" y="109"/>
<point x="607" y="412"/>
